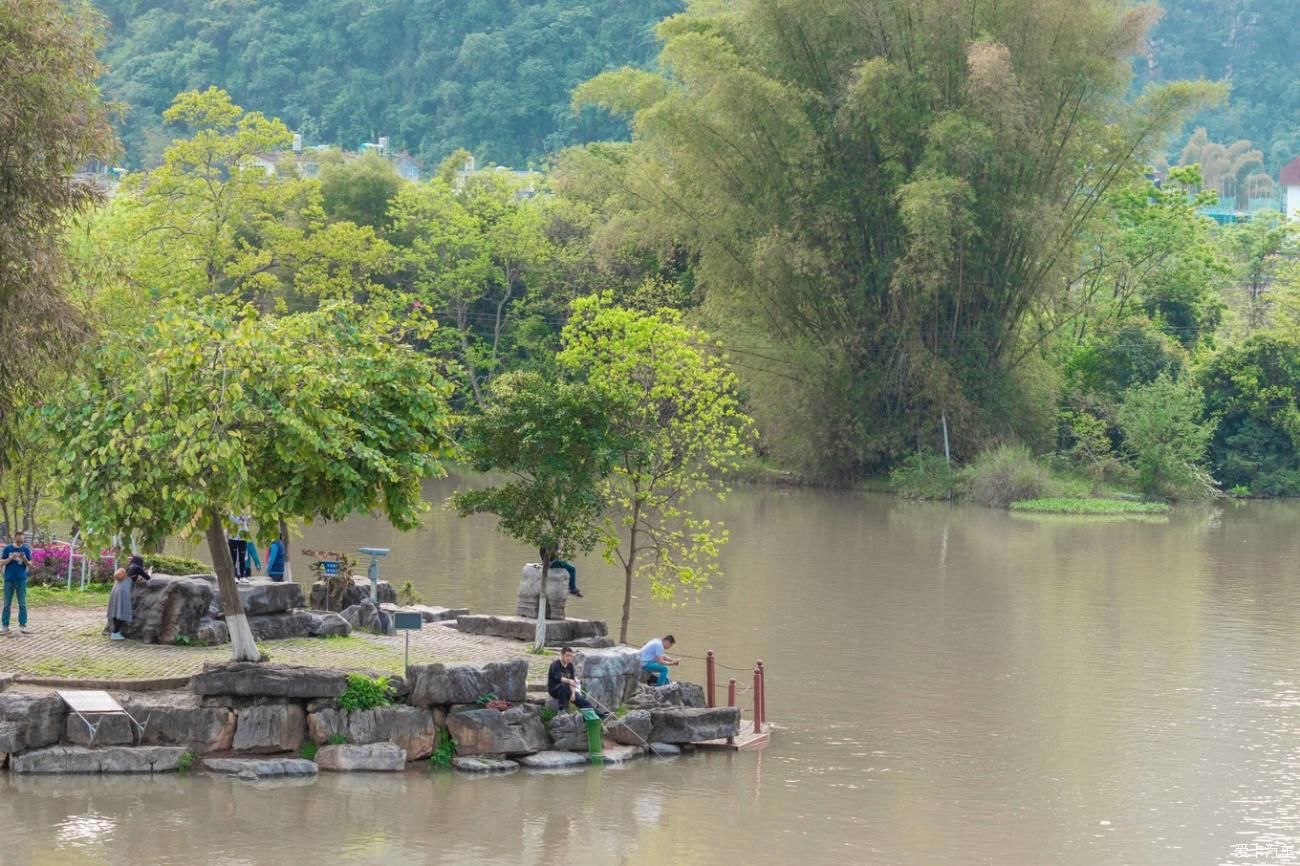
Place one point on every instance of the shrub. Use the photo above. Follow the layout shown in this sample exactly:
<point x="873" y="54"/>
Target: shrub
<point x="178" y="565"/>
<point x="184" y="762"/>
<point x="408" y="595"/>
<point x="924" y="476"/>
<point x="1006" y="474"/>
<point x="337" y="739"/>
<point x="444" y="750"/>
<point x="365" y="693"/>
<point x="1162" y="427"/>
<point x="308" y="750"/>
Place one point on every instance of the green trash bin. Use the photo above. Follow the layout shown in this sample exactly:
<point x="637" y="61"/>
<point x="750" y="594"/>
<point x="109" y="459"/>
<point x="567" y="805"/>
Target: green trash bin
<point x="595" y="750"/>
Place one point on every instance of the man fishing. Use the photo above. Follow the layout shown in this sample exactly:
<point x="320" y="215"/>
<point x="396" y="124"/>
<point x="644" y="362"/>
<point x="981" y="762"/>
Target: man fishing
<point x="562" y="682"/>
<point x="654" y="661"/>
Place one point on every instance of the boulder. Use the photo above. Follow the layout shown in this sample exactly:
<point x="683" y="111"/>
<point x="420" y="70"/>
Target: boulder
<point x="358" y="591"/>
<point x="443" y="684"/>
<point x="261" y="767"/>
<point x="558" y="631"/>
<point x="113" y="759"/>
<point x="585" y="642"/>
<point x="665" y="750"/>
<point x="438" y="614"/>
<point x="280" y="626"/>
<point x="212" y="631"/>
<point x="516" y="731"/>
<point x="326" y="624"/>
<point x="553" y="760"/>
<point x="261" y="597"/>
<point x="530" y="587"/>
<point x="366" y="616"/>
<point x="676" y="694"/>
<point x="484" y="764"/>
<point x="615" y="754"/>
<point x="258" y="679"/>
<point x="411" y="728"/>
<point x="608" y="676"/>
<point x="351" y="756"/>
<point x="169" y="719"/>
<point x="692" y="725"/>
<point x="568" y="733"/>
<point x="270" y="728"/>
<point x="164" y="608"/>
<point x="29" y="719"/>
<point x="633" y="729"/>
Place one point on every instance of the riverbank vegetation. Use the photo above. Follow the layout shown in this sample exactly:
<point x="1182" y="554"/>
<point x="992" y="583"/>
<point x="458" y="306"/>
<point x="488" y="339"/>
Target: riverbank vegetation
<point x="894" y="238"/>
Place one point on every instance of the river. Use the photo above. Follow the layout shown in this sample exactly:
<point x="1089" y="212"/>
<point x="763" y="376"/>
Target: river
<point x="952" y="685"/>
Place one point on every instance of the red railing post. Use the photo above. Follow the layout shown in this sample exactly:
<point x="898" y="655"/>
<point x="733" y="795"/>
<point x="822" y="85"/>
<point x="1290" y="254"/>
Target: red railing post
<point x="758" y="696"/>
<point x="731" y="700"/>
<point x="762" y="693"/>
<point x="710" y="678"/>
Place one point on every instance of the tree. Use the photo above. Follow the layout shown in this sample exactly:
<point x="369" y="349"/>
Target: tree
<point x="683" y="428"/>
<point x="359" y="190"/>
<point x="881" y="198"/>
<point x="54" y="124"/>
<point x="213" y="411"/>
<point x="555" y="441"/>
<point x="1163" y="429"/>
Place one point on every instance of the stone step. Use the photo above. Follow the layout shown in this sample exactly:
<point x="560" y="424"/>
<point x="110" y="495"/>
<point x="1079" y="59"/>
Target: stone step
<point x="261" y="767"/>
<point x="111" y="759"/>
<point x="558" y="631"/>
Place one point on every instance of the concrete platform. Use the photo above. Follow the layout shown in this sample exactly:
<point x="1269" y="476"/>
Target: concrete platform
<point x="748" y="741"/>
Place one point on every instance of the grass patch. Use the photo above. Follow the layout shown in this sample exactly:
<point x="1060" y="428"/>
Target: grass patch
<point x="443" y="751"/>
<point x="1109" y="507"/>
<point x="95" y="595"/>
<point x="308" y="750"/>
<point x="184" y="762"/>
<point x="365" y="693"/>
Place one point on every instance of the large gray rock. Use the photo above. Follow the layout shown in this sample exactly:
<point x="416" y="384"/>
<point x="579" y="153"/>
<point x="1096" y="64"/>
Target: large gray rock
<point x="438" y="614"/>
<point x="257" y="679"/>
<point x="633" y="729"/>
<point x="366" y="616"/>
<point x="608" y="676"/>
<point x="553" y="760"/>
<point x="280" y="626"/>
<point x="385" y="757"/>
<point x="530" y="587"/>
<point x="261" y="597"/>
<point x="411" y="728"/>
<point x="516" y="731"/>
<point x="113" y="759"/>
<point x="483" y="764"/>
<point x="558" y="631"/>
<point x="568" y="733"/>
<point x="263" y="767"/>
<point x="584" y="642"/>
<point x="166" y="607"/>
<point x="29" y="719"/>
<point x="443" y="685"/>
<point x="675" y="694"/>
<point x="169" y="719"/>
<point x="352" y="594"/>
<point x="270" y="728"/>
<point x="326" y="624"/>
<point x="212" y="632"/>
<point x="691" y="725"/>
<point x="615" y="754"/>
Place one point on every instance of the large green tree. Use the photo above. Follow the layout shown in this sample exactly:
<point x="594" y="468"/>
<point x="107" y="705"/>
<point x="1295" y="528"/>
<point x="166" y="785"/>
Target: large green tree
<point x="879" y="195"/>
<point x="553" y="442"/>
<point x="682" y="431"/>
<point x="211" y="411"/>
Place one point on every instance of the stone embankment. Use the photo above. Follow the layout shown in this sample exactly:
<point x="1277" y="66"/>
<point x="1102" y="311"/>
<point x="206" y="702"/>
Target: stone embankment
<point x="255" y="720"/>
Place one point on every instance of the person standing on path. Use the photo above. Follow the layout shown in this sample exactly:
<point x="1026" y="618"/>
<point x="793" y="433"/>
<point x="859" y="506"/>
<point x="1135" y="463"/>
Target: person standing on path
<point x="119" y="602"/>
<point x="653" y="660"/>
<point x="16" y="556"/>
<point x="239" y="546"/>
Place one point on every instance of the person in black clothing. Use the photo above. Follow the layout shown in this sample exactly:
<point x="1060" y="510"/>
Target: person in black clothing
<point x="562" y="682"/>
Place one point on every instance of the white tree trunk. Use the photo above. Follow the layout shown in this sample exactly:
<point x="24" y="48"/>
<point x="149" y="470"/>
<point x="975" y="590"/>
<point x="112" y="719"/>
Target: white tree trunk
<point x="540" y="639"/>
<point x="242" y="646"/>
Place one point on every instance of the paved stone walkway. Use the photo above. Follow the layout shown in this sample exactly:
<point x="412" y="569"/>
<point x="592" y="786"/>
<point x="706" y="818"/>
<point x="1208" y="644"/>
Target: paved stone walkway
<point x="67" y="642"/>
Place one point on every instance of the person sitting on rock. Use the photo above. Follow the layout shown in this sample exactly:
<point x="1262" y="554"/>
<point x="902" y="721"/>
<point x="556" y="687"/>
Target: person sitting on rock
<point x="119" y="604"/>
<point x="567" y="566"/>
<point x="653" y="660"/>
<point x="562" y="682"/>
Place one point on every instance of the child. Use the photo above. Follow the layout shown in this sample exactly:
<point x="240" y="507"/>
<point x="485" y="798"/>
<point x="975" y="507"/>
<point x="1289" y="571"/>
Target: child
<point x="119" y="604"/>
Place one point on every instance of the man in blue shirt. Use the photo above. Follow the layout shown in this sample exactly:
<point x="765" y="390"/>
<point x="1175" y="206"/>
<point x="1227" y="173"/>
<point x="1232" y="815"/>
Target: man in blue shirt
<point x="16" y="556"/>
<point x="275" y="560"/>
<point x="653" y="660"/>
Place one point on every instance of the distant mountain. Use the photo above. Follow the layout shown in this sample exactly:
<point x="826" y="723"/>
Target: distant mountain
<point x="1252" y="44"/>
<point x="493" y="76"/>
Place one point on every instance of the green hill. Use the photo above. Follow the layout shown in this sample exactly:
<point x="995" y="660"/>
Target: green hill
<point x="493" y="76"/>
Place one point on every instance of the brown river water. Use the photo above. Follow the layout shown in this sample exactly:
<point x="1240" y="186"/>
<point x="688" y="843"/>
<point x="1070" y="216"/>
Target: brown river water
<point x="952" y="685"/>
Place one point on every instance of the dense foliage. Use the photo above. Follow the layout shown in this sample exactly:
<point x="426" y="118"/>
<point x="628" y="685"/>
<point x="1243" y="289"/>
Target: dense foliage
<point x="493" y="76"/>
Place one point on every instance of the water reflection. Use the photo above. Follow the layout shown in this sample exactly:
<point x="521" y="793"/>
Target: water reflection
<point x="954" y="685"/>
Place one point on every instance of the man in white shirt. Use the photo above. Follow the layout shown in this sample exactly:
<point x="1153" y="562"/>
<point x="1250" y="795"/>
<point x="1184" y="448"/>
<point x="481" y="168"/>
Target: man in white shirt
<point x="654" y="661"/>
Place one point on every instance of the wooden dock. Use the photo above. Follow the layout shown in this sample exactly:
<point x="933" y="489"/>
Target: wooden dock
<point x="747" y="741"/>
